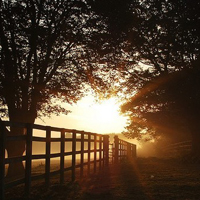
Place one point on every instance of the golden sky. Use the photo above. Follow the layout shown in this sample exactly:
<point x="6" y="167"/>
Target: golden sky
<point x="91" y="116"/>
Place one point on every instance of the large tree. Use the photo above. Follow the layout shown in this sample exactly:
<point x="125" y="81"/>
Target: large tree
<point x="167" y="99"/>
<point x="44" y="56"/>
<point x="159" y="65"/>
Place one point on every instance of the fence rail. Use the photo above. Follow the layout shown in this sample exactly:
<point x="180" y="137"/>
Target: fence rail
<point x="178" y="149"/>
<point x="91" y="148"/>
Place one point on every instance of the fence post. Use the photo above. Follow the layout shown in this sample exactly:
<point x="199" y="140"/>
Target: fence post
<point x="100" y="151"/>
<point x="116" y="156"/>
<point x="62" y="156"/>
<point x="95" y="153"/>
<point x="73" y="155"/>
<point x="82" y="154"/>
<point x="29" y="135"/>
<point x="2" y="160"/>
<point x="89" y="148"/>
<point x="129" y="153"/>
<point x="133" y="151"/>
<point x="106" y="149"/>
<point x="48" y="152"/>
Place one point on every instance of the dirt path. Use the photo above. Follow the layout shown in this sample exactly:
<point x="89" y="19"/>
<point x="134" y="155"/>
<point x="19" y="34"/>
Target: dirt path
<point x="148" y="179"/>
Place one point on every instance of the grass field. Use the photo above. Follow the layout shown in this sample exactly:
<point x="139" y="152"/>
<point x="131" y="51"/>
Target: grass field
<point x="145" y="179"/>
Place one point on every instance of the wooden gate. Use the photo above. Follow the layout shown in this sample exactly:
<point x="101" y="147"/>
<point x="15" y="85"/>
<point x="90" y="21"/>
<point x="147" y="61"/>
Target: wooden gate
<point x="122" y="150"/>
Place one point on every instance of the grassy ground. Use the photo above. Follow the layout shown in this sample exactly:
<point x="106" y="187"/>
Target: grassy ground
<point x="146" y="179"/>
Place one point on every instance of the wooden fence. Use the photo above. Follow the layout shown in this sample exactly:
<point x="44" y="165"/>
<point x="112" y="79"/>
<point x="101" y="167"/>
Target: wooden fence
<point x="93" y="151"/>
<point x="178" y="149"/>
<point x="85" y="150"/>
<point x="122" y="150"/>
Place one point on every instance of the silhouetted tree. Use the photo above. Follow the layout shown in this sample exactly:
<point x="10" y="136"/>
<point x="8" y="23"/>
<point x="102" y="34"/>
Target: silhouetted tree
<point x="168" y="95"/>
<point x="159" y="45"/>
<point x="44" y="56"/>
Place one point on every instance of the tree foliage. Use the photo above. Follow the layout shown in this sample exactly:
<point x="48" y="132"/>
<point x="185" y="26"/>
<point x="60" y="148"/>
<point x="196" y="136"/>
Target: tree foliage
<point x="157" y="55"/>
<point x="168" y="91"/>
<point x="167" y="98"/>
<point x="46" y="54"/>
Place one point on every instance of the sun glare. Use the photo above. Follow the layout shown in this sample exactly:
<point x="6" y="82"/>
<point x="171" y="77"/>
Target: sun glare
<point x="104" y="117"/>
<point x="107" y="111"/>
<point x="89" y="115"/>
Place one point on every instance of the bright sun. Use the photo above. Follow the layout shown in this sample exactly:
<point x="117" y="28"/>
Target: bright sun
<point x="107" y="111"/>
<point x="89" y="115"/>
<point x="104" y="117"/>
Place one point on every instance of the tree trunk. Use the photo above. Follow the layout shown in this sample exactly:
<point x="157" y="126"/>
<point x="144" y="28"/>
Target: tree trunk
<point x="17" y="148"/>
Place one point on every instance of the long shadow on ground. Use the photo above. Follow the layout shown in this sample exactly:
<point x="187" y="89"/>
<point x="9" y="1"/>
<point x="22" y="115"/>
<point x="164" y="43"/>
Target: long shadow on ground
<point x="145" y="179"/>
<point x="115" y="182"/>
